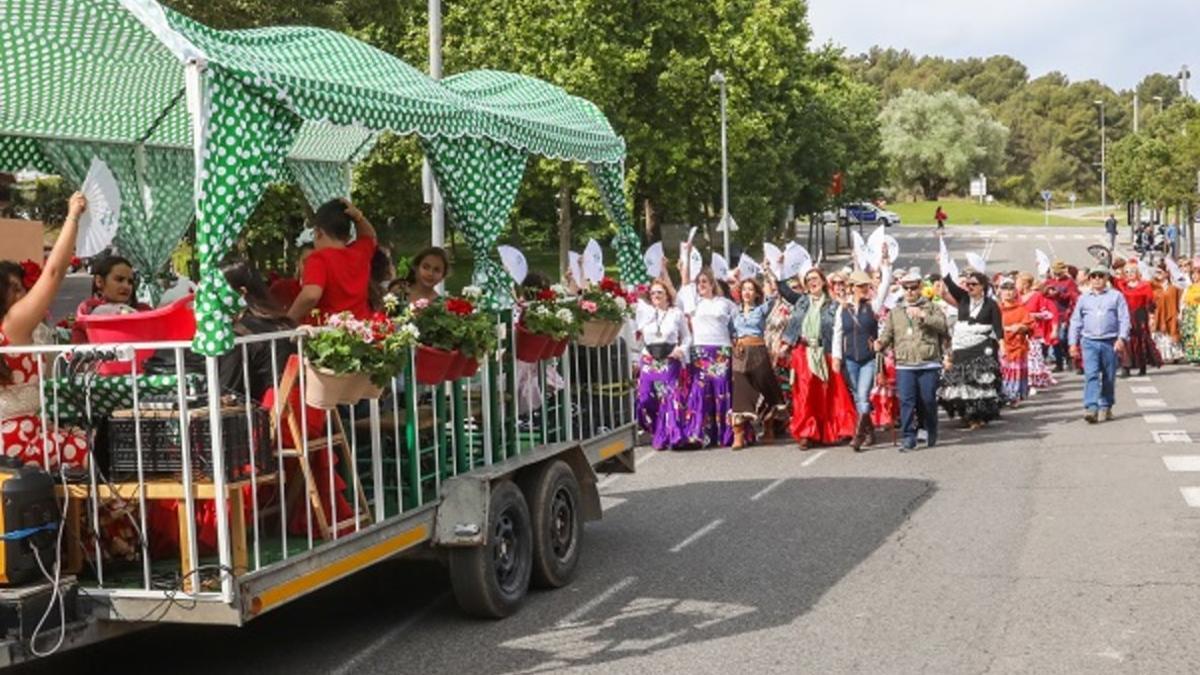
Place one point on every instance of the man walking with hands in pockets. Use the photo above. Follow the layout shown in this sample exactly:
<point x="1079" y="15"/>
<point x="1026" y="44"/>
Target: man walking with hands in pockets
<point x="1099" y="329"/>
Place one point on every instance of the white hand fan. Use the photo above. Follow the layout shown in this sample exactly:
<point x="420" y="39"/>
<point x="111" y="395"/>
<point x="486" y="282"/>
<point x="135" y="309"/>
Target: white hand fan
<point x="593" y="262"/>
<point x="575" y="265"/>
<point x="720" y="267"/>
<point x="773" y="258"/>
<point x="948" y="266"/>
<point x="861" y="257"/>
<point x="514" y="263"/>
<point x="977" y="262"/>
<point x="98" y="225"/>
<point x="748" y="268"/>
<point x="875" y="250"/>
<point x="1177" y="275"/>
<point x="796" y="261"/>
<point x="1043" y="262"/>
<point x="654" y="259"/>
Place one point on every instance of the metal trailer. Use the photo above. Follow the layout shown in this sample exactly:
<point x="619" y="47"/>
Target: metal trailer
<point x="495" y="473"/>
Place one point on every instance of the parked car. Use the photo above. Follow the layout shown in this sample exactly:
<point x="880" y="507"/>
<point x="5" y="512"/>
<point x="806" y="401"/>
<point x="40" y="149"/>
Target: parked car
<point x="864" y="212"/>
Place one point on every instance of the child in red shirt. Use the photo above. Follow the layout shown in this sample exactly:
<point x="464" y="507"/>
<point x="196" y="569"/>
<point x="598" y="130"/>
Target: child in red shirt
<point x="337" y="275"/>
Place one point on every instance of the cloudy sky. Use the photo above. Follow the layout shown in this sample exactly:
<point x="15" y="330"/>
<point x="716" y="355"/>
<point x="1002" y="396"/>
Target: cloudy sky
<point x="1115" y="41"/>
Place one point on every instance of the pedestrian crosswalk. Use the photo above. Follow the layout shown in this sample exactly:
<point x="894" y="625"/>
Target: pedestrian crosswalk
<point x="1174" y="463"/>
<point x="992" y="234"/>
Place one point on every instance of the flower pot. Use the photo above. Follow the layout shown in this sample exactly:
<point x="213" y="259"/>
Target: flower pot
<point x="326" y="389"/>
<point x="369" y="389"/>
<point x="456" y="369"/>
<point x="599" y="333"/>
<point x="558" y="348"/>
<point x="470" y="366"/>
<point x="530" y="346"/>
<point x="433" y="364"/>
<point x="616" y="328"/>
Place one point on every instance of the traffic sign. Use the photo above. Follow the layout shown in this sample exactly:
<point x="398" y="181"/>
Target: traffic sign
<point x="1047" y="195"/>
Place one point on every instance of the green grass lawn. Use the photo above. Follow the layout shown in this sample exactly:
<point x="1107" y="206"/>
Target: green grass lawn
<point x="964" y="212"/>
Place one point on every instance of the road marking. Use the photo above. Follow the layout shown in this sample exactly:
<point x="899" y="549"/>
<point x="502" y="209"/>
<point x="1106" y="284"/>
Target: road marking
<point x="761" y="493"/>
<point x="1144" y="390"/>
<point x="1022" y="236"/>
<point x="696" y="535"/>
<point x="1079" y="236"/>
<point x="607" y="502"/>
<point x="1182" y="462"/>
<point x="1191" y="495"/>
<point x="1140" y="378"/>
<point x="577" y="613"/>
<point x="354" y="664"/>
<point x="1060" y="236"/>
<point x="1171" y="436"/>
<point x="810" y="460"/>
<point x="1003" y="237"/>
<point x="1151" y="403"/>
<point x="1159" y="418"/>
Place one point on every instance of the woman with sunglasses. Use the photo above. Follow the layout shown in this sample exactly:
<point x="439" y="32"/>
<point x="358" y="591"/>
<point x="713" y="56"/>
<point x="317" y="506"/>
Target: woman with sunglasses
<point x="710" y="380"/>
<point x="665" y="338"/>
<point x="822" y="410"/>
<point x="971" y="385"/>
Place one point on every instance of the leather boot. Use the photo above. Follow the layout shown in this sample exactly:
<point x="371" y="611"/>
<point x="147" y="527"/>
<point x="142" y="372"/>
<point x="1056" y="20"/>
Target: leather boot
<point x="859" y="434"/>
<point x="870" y="437"/>
<point x="739" y="436"/>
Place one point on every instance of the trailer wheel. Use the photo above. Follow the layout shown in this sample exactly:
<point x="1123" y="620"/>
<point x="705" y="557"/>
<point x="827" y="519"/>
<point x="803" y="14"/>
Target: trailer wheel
<point x="557" y="525"/>
<point x="491" y="581"/>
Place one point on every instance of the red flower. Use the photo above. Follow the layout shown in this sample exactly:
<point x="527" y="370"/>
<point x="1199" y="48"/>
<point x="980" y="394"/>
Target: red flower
<point x="33" y="272"/>
<point x="459" y="306"/>
<point x="75" y="261"/>
<point x="610" y="285"/>
<point x="547" y="294"/>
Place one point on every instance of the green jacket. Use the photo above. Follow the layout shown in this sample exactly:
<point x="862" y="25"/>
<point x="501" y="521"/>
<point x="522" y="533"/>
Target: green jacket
<point x="915" y="340"/>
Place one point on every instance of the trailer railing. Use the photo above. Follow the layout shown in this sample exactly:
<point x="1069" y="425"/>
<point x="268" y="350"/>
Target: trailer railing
<point x="198" y="478"/>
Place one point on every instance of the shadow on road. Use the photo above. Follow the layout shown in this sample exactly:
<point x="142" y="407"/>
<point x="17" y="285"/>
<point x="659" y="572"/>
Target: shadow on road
<point x="765" y="563"/>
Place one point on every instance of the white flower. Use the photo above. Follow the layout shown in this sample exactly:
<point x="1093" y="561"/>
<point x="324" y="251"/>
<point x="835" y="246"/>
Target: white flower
<point x="410" y="331"/>
<point x="565" y="315"/>
<point x="559" y="290"/>
<point x="541" y="310"/>
<point x="472" y="292"/>
<point x="390" y="301"/>
<point x="621" y="304"/>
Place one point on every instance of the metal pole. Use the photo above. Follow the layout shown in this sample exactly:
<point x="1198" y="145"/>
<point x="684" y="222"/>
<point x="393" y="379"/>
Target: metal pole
<point x="724" y="170"/>
<point x="1135" y="113"/>
<point x="1103" y="163"/>
<point x="438" y="210"/>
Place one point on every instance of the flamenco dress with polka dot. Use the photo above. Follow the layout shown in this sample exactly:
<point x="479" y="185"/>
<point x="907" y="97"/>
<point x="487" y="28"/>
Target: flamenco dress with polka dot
<point x="21" y="427"/>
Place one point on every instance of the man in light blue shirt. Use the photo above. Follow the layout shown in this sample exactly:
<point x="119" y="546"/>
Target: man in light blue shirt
<point x="1099" y="330"/>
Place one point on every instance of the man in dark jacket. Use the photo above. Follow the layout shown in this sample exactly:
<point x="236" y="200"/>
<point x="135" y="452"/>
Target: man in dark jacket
<point x="1110" y="228"/>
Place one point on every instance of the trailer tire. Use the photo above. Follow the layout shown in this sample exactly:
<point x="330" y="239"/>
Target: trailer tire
<point x="491" y="581"/>
<point x="554" y="503"/>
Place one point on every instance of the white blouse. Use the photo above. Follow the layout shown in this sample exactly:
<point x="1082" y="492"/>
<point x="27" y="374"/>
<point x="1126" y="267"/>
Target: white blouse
<point x="711" y="317"/>
<point x="663" y="326"/>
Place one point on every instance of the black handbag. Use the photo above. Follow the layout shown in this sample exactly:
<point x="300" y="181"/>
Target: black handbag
<point x="660" y="350"/>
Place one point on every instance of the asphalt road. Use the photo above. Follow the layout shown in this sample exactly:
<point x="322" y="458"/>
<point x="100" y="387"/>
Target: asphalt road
<point x="1040" y="544"/>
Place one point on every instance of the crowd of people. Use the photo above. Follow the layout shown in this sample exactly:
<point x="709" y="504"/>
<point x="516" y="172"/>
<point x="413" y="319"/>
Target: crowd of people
<point x="833" y="358"/>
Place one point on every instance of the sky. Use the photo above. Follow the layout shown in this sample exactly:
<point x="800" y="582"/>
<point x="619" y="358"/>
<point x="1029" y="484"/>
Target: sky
<point x="1114" y="41"/>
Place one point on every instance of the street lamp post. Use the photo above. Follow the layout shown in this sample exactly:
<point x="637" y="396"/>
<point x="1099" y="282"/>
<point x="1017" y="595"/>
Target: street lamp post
<point x="437" y="208"/>
<point x="1183" y="76"/>
<point x="718" y="79"/>
<point x="1103" y="157"/>
<point x="1160" y="102"/>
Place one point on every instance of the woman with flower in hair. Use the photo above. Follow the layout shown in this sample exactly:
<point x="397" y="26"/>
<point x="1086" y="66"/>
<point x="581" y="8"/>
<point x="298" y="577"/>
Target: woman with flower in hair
<point x="661" y="391"/>
<point x="1044" y="335"/>
<point x="709" y="378"/>
<point x="1139" y="296"/>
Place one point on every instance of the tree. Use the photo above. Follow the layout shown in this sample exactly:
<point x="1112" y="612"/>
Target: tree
<point x="936" y="140"/>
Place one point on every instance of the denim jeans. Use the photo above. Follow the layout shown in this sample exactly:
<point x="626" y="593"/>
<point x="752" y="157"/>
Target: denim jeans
<point x="917" y="390"/>
<point x="861" y="378"/>
<point x="1099" y="373"/>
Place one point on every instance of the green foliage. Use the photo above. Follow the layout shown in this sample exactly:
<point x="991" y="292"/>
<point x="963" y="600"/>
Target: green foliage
<point x="43" y="199"/>
<point x="936" y="140"/>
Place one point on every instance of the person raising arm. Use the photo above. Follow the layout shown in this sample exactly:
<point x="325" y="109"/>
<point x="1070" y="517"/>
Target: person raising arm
<point x="337" y="274"/>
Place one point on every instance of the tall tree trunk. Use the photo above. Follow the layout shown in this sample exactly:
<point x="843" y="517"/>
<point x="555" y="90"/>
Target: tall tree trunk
<point x="564" y="227"/>
<point x="651" y="220"/>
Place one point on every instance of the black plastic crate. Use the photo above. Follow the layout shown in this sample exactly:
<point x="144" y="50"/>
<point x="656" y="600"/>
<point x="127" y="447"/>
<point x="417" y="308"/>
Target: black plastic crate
<point x="161" y="445"/>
